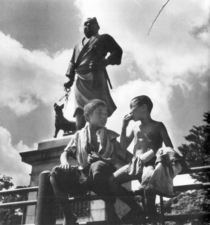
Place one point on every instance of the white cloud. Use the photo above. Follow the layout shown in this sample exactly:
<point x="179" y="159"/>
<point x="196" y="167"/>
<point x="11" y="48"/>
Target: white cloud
<point x="168" y="57"/>
<point x="154" y="64"/>
<point x="176" y="48"/>
<point x="174" y="53"/>
<point x="30" y="77"/>
<point x="201" y="31"/>
<point x="170" y="51"/>
<point x="10" y="161"/>
<point x="21" y="147"/>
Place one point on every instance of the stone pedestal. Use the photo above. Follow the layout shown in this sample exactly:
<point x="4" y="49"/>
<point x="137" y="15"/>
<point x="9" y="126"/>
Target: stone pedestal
<point x="46" y="157"/>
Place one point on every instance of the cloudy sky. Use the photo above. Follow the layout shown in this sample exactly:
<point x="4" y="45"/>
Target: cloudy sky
<point x="170" y="65"/>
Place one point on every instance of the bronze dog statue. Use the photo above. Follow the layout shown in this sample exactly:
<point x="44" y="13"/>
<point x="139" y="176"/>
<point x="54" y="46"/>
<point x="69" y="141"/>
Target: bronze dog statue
<point x="61" y="123"/>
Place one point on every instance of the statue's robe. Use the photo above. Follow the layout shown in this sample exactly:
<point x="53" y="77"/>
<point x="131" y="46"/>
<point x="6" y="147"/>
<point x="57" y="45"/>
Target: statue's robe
<point x="93" y="84"/>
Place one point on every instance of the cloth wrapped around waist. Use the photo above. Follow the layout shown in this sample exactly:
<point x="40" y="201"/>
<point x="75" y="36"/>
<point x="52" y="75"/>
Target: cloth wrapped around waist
<point x="135" y="167"/>
<point x="94" y="78"/>
<point x="167" y="166"/>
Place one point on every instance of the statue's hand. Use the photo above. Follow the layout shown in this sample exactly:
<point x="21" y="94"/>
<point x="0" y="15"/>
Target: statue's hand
<point x="68" y="84"/>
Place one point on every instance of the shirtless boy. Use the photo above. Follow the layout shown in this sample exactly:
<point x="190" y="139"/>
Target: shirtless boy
<point x="148" y="137"/>
<point x="95" y="149"/>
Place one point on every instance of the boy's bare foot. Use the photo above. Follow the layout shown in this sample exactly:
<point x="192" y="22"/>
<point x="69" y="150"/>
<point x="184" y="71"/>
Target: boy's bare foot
<point x="71" y="220"/>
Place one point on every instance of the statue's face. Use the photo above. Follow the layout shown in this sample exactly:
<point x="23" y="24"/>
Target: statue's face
<point x="90" y="29"/>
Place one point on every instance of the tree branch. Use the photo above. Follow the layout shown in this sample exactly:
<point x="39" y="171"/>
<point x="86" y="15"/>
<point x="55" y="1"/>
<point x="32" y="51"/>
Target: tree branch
<point x="157" y="16"/>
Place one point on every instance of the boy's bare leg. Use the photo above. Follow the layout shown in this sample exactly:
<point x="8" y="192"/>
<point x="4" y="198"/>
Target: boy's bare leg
<point x="99" y="175"/>
<point x="150" y="206"/>
<point x="150" y="196"/>
<point x="118" y="178"/>
<point x="69" y="217"/>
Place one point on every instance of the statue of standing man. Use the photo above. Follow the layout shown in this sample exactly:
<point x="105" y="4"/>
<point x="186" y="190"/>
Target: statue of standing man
<point x="89" y="63"/>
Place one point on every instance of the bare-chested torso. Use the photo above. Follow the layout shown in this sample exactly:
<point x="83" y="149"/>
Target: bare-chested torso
<point x="148" y="137"/>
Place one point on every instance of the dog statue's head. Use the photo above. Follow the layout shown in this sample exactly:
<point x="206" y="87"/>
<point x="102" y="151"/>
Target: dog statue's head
<point x="58" y="108"/>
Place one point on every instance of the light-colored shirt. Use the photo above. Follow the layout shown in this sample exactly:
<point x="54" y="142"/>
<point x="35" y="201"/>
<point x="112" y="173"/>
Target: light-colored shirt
<point x="80" y="144"/>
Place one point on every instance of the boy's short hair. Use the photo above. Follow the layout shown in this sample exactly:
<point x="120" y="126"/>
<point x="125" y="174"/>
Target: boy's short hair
<point x="92" y="105"/>
<point x="141" y="100"/>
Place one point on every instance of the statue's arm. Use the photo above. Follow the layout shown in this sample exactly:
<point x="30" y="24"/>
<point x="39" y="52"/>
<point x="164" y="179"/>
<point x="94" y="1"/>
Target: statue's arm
<point x="114" y="49"/>
<point x="71" y="70"/>
<point x="70" y="73"/>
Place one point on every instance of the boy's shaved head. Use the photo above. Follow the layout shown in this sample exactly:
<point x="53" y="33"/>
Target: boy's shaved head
<point x="92" y="105"/>
<point x="141" y="100"/>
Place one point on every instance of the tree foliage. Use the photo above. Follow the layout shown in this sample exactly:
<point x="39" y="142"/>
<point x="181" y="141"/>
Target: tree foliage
<point x="196" y="153"/>
<point x="12" y="215"/>
<point x="189" y="202"/>
<point x="5" y="182"/>
<point x="197" y="150"/>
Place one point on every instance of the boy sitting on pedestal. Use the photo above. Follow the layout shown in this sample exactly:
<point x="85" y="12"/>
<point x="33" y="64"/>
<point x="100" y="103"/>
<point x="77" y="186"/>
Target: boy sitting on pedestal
<point x="148" y="138"/>
<point x="95" y="149"/>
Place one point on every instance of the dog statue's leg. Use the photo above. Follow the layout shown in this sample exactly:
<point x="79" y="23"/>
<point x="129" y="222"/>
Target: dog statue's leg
<point x="56" y="132"/>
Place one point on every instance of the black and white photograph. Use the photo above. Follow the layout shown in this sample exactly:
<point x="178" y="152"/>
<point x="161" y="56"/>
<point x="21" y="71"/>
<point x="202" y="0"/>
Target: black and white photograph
<point x="104" y="112"/>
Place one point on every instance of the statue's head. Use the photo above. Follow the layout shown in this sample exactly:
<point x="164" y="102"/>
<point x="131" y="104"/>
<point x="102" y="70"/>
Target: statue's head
<point x="91" y="27"/>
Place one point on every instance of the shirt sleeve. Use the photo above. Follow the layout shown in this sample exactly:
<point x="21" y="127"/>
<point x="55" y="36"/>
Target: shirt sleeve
<point x="71" y="148"/>
<point x="71" y="68"/>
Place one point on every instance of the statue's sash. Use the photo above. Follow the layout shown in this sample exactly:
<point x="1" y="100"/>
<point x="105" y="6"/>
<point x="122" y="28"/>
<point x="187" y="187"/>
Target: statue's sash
<point x="85" y="49"/>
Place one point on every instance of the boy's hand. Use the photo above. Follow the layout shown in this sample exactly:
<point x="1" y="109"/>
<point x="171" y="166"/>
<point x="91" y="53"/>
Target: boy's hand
<point x="127" y="119"/>
<point x="65" y="166"/>
<point x="93" y="157"/>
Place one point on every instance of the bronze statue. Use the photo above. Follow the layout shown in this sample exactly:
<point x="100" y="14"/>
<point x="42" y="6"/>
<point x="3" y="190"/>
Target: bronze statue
<point x="89" y="63"/>
<point x="61" y="123"/>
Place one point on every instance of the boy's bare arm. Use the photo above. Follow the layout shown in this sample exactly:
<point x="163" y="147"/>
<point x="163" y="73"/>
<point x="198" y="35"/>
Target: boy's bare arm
<point x="145" y="157"/>
<point x="165" y="137"/>
<point x="125" y="137"/>
<point x="64" y="160"/>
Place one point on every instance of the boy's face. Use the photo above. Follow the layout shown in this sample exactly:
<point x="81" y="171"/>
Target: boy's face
<point x="99" y="117"/>
<point x="137" y="111"/>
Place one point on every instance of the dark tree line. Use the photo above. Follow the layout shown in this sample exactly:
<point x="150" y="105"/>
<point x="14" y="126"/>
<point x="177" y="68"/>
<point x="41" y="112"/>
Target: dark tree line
<point x="12" y="215"/>
<point x="197" y="150"/>
<point x="196" y="153"/>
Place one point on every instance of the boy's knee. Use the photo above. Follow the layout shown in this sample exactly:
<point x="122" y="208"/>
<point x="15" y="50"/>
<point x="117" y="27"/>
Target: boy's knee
<point x="113" y="184"/>
<point x="112" y="179"/>
<point x="59" y="179"/>
<point x="100" y="170"/>
<point x="56" y="172"/>
<point x="98" y="164"/>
